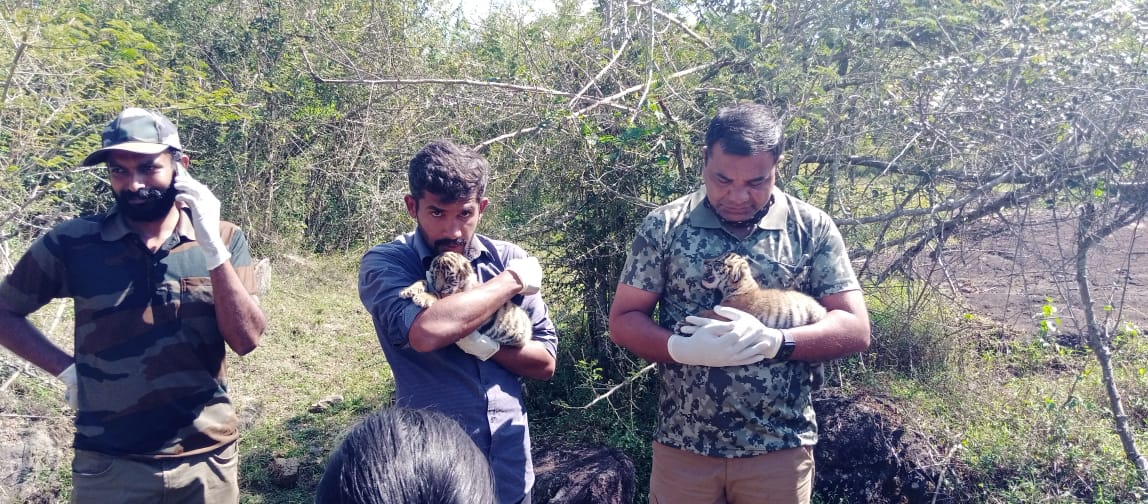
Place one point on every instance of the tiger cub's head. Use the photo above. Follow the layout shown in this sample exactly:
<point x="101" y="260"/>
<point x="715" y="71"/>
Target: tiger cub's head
<point x="451" y="272"/>
<point x="728" y="273"/>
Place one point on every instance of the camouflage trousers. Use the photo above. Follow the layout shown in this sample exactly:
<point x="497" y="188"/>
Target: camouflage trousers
<point x="211" y="477"/>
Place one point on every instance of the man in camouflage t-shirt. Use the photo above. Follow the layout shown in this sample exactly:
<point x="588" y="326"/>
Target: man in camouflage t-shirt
<point x="735" y="420"/>
<point x="160" y="286"/>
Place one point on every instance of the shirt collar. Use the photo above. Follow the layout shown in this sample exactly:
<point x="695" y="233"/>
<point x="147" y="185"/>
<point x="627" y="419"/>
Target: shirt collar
<point x="115" y="226"/>
<point x="704" y="217"/>
<point x="474" y="250"/>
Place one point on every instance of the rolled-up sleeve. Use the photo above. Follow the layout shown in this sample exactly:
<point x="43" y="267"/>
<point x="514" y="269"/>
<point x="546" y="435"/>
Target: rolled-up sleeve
<point x="383" y="273"/>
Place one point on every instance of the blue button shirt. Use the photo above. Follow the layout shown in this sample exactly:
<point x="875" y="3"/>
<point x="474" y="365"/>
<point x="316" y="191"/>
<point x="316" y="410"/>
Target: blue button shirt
<point x="484" y="397"/>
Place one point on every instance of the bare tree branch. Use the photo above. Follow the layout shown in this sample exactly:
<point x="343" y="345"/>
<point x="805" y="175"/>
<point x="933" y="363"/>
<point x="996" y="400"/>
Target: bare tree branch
<point x="617" y="387"/>
<point x="677" y="22"/>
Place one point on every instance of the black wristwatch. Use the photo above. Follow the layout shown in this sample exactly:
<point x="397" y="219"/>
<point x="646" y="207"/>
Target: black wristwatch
<point x="787" y="346"/>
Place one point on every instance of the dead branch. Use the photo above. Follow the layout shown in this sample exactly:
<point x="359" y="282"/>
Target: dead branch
<point x="632" y="89"/>
<point x="482" y="146"/>
<point x="615" y="388"/>
<point x="1099" y="340"/>
<point x="594" y="80"/>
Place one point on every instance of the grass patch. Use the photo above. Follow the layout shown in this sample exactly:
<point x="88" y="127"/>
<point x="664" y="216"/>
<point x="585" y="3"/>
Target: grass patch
<point x="1032" y="422"/>
<point x="914" y="334"/>
<point x="319" y="342"/>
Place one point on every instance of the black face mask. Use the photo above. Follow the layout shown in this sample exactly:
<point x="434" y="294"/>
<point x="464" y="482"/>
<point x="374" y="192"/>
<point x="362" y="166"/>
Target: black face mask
<point x="743" y="223"/>
<point x="155" y="206"/>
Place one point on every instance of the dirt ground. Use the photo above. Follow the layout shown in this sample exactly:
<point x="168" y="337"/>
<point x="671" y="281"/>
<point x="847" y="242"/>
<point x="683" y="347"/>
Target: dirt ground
<point x="1005" y="269"/>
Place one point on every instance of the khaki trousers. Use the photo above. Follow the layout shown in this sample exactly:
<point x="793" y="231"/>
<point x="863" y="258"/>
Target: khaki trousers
<point x="682" y="477"/>
<point x="211" y="477"/>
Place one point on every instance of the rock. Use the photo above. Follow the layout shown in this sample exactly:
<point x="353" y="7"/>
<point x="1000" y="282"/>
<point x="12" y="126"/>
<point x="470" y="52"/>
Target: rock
<point x="578" y="474"/>
<point x="285" y="471"/>
<point x="263" y="277"/>
<point x="249" y="413"/>
<point x="326" y="403"/>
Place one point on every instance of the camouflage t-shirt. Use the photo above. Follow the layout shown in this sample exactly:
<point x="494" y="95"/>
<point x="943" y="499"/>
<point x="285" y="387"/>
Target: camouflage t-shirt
<point x="149" y="356"/>
<point x="736" y="411"/>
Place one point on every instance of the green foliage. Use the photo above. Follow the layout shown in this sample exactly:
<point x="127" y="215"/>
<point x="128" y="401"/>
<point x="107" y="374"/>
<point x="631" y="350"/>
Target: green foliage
<point x="1048" y="321"/>
<point x="913" y="334"/>
<point x="50" y="123"/>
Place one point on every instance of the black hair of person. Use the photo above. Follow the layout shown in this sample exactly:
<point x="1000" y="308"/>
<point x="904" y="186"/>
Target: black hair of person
<point x="406" y="456"/>
<point x="450" y="171"/>
<point x="745" y="129"/>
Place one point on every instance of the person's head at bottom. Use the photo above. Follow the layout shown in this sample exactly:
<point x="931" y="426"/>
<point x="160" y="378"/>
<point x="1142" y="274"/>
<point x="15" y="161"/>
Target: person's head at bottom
<point x="402" y="455"/>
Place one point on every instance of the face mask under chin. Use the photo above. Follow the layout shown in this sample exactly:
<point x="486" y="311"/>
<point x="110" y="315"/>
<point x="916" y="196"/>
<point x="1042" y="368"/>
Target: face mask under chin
<point x="155" y="206"/>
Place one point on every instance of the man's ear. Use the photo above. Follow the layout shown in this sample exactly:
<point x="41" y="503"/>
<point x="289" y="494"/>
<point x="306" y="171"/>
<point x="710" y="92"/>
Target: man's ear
<point x="412" y="206"/>
<point x="180" y="162"/>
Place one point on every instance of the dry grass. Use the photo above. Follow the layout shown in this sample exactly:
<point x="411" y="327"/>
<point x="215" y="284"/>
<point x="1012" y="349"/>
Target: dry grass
<point x="319" y="343"/>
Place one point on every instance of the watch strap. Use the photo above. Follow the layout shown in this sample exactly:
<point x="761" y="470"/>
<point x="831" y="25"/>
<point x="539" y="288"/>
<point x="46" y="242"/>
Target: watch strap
<point x="787" y="346"/>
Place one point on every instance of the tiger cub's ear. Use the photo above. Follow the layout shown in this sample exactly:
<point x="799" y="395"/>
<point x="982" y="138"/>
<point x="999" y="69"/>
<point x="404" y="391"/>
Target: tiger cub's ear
<point x="733" y="266"/>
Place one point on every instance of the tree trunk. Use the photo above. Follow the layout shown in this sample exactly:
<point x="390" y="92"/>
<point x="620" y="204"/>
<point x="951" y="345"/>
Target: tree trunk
<point x="1098" y="341"/>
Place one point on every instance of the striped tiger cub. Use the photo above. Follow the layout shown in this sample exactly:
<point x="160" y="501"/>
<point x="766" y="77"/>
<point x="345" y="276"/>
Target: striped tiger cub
<point x="451" y="272"/>
<point x="776" y="308"/>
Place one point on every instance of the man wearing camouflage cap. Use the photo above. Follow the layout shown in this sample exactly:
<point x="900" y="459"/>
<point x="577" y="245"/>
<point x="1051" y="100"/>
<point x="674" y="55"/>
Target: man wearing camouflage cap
<point x="735" y="420"/>
<point x="161" y="287"/>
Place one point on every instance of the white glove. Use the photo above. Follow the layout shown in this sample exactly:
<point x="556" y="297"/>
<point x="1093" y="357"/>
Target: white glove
<point x="749" y="330"/>
<point x="68" y="376"/>
<point x="712" y="344"/>
<point x="204" y="216"/>
<point x="528" y="272"/>
<point x="478" y="345"/>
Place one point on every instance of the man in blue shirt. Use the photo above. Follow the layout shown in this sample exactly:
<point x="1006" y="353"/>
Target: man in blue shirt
<point x="439" y="359"/>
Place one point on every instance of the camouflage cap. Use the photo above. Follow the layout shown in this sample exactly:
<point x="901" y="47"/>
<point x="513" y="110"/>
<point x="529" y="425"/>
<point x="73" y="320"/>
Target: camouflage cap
<point x="136" y="130"/>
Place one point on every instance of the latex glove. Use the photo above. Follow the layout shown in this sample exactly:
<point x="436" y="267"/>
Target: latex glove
<point x="68" y="376"/>
<point x="711" y="344"/>
<point x="749" y="330"/>
<point x="205" y="217"/>
<point x="528" y="272"/>
<point x="478" y="345"/>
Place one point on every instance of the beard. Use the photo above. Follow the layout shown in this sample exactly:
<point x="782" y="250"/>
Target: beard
<point x="148" y="204"/>
<point x="442" y="245"/>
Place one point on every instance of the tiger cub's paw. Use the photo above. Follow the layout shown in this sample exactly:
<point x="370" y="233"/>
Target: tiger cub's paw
<point x="512" y="338"/>
<point x="417" y="292"/>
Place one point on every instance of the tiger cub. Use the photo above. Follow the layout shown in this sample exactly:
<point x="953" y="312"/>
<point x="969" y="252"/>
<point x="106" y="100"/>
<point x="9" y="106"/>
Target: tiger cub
<point x="452" y="272"/>
<point x="777" y="308"/>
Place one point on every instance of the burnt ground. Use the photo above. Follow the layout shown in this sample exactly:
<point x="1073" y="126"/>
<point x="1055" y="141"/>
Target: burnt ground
<point x="866" y="455"/>
<point x="1004" y="271"/>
